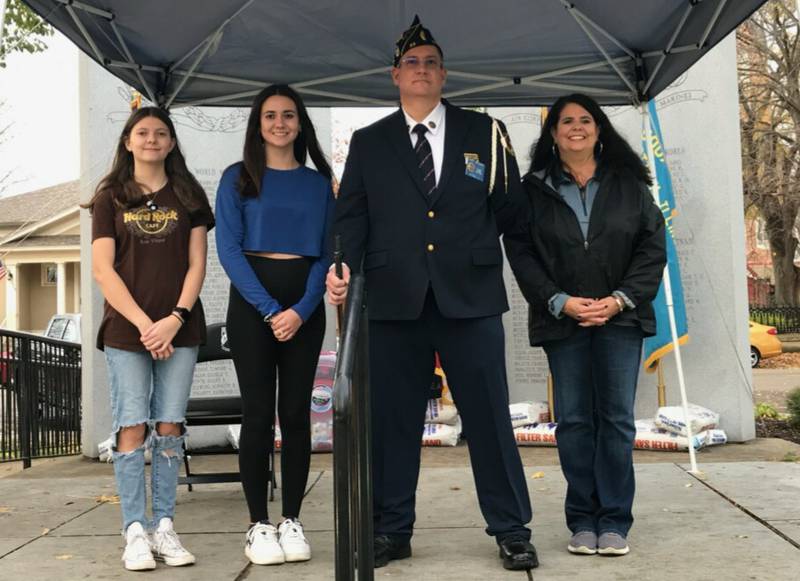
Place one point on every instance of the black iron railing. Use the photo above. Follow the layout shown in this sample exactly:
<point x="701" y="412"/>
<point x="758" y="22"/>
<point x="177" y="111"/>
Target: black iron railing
<point x="40" y="397"/>
<point x="785" y="319"/>
<point x="351" y="444"/>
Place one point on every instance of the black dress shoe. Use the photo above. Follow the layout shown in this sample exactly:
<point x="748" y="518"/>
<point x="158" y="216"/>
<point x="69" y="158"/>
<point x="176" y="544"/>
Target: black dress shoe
<point x="389" y="548"/>
<point x="518" y="554"/>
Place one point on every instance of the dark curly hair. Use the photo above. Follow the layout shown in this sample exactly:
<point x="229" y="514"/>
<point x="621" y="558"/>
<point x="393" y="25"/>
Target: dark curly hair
<point x="614" y="154"/>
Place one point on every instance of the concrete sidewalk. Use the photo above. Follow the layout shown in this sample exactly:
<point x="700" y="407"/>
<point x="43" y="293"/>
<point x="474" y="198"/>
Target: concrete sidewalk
<point x="741" y="522"/>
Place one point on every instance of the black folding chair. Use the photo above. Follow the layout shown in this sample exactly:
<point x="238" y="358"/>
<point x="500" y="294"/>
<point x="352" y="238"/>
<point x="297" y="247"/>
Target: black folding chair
<point x="215" y="411"/>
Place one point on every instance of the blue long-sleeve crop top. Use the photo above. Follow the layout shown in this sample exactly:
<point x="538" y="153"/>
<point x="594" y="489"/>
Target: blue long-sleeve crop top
<point x="292" y="215"/>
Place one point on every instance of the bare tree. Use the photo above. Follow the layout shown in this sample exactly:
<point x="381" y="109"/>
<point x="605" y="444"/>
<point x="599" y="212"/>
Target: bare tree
<point x="768" y="48"/>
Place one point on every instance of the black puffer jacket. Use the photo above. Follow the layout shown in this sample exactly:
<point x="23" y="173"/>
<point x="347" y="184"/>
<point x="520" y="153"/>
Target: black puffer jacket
<point x="625" y="250"/>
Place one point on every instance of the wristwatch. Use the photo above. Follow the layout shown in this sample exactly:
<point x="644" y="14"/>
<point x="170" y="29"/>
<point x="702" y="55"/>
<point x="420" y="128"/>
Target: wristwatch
<point x="183" y="313"/>
<point x="268" y="318"/>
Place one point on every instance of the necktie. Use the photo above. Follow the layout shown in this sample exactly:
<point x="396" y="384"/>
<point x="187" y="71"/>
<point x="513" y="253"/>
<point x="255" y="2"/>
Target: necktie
<point x="425" y="158"/>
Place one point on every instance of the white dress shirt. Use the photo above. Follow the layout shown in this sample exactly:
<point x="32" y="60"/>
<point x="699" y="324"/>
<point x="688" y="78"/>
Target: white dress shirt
<point x="435" y="135"/>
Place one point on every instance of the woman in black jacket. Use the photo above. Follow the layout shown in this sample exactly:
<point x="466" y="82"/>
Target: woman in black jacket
<point x="589" y="264"/>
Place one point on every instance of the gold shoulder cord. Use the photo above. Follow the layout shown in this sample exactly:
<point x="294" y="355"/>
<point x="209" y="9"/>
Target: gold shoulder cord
<point x="496" y="131"/>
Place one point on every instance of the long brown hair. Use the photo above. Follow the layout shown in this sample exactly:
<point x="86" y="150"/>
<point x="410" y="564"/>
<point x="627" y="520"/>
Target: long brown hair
<point x="305" y="145"/>
<point x="123" y="187"/>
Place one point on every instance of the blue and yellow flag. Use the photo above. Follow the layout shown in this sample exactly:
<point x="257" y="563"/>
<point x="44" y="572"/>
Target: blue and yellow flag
<point x="660" y="344"/>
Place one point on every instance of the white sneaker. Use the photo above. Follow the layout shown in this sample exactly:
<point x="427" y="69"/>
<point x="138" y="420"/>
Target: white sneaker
<point x="137" y="555"/>
<point x="262" y="547"/>
<point x="293" y="542"/>
<point x="167" y="546"/>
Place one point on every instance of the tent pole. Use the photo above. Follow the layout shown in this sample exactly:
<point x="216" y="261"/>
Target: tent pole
<point x="576" y="13"/>
<point x="673" y="327"/>
<point x="579" y="18"/>
<point x="129" y="57"/>
<point x="85" y="33"/>
<point x="207" y="39"/>
<point x="670" y="44"/>
<point x="711" y="23"/>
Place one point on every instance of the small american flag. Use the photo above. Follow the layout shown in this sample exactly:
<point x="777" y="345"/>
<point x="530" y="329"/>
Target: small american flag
<point x="2" y="270"/>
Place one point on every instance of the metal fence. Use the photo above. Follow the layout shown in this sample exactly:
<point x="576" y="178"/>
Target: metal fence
<point x="40" y="397"/>
<point x="785" y="319"/>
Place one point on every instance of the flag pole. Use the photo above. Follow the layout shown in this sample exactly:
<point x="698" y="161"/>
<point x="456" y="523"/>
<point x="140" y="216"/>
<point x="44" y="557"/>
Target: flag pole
<point x="673" y="327"/>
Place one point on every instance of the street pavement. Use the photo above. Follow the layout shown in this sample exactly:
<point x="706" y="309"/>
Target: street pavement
<point x="739" y="521"/>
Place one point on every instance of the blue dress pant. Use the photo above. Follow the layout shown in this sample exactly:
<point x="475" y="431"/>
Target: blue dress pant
<point x="472" y="354"/>
<point x="595" y="371"/>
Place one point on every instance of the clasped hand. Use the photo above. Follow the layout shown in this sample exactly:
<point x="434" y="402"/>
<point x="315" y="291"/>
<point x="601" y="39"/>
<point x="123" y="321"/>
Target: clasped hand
<point x="285" y="324"/>
<point x="157" y="337"/>
<point x="591" y="312"/>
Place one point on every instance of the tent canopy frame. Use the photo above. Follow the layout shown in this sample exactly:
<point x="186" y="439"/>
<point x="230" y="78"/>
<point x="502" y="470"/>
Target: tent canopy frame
<point x="633" y="91"/>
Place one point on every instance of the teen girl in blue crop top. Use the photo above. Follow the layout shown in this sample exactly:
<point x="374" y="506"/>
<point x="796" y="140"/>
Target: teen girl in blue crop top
<point x="273" y="215"/>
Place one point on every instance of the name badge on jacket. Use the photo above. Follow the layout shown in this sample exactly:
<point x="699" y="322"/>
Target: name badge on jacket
<point x="473" y="167"/>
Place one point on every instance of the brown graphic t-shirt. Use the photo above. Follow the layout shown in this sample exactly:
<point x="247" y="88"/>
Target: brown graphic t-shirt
<point x="152" y="258"/>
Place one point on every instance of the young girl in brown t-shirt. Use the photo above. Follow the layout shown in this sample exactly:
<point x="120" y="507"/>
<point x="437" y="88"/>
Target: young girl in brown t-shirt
<point x="150" y="219"/>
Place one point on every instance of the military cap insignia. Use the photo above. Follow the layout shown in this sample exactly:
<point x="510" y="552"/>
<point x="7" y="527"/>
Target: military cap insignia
<point x="416" y="35"/>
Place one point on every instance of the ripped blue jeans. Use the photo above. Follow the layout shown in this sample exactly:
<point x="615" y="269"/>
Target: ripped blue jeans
<point x="148" y="391"/>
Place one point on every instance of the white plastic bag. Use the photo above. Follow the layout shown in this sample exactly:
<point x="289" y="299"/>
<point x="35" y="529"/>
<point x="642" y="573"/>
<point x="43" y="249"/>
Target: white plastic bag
<point x="649" y="436"/>
<point x="440" y="411"/>
<point x="525" y="413"/>
<point x="234" y="430"/>
<point x="671" y="418"/>
<point x="539" y="434"/>
<point x="441" y="434"/>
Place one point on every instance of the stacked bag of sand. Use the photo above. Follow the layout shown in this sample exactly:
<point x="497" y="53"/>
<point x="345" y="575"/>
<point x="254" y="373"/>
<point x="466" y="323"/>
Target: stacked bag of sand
<point x="666" y="431"/>
<point x="532" y="425"/>
<point x="442" y="423"/>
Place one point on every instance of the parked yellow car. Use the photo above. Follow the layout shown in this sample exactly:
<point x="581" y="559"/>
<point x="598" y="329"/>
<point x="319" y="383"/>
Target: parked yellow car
<point x="764" y="343"/>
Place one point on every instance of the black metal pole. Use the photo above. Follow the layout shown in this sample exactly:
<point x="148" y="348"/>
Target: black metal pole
<point x="25" y="404"/>
<point x="363" y="436"/>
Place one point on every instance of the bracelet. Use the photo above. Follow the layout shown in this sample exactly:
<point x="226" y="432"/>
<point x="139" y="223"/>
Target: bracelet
<point x="184" y="313"/>
<point x="177" y="316"/>
<point x="268" y="318"/>
<point x="620" y="303"/>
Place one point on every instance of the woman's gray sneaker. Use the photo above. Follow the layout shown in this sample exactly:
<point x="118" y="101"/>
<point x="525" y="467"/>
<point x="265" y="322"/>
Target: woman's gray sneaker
<point x="583" y="543"/>
<point x="612" y="544"/>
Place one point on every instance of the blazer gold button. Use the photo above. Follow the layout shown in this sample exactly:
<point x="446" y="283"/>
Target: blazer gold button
<point x="430" y="247"/>
<point x="431" y="214"/>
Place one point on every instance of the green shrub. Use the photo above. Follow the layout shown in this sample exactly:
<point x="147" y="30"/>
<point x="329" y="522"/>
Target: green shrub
<point x="765" y="410"/>
<point x="793" y="406"/>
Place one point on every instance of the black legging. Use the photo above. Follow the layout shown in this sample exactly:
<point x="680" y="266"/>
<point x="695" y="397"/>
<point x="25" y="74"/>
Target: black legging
<point x="257" y="355"/>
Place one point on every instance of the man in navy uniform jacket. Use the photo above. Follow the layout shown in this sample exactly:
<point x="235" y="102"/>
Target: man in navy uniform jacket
<point x="425" y="194"/>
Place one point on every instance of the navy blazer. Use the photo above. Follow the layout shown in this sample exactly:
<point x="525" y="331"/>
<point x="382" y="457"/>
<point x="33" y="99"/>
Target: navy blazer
<point x="405" y="241"/>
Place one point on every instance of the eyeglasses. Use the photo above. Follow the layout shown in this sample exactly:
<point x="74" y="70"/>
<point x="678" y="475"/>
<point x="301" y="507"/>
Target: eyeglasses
<point x="413" y="62"/>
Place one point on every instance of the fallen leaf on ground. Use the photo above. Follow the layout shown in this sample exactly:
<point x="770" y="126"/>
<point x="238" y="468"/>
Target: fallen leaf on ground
<point x="63" y="557"/>
<point x="45" y="531"/>
<point x="537" y="475"/>
<point x="783" y="361"/>
<point x="109" y="498"/>
<point x="5" y="509"/>
<point x="455" y="488"/>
